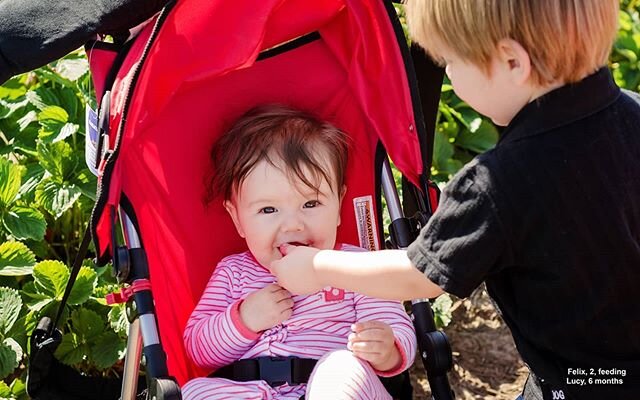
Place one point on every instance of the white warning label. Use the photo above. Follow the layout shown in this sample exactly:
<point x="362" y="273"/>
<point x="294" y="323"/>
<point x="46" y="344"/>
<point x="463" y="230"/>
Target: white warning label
<point x="366" y="222"/>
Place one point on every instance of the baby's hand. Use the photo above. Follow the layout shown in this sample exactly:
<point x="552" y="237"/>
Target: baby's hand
<point x="266" y="308"/>
<point x="374" y="341"/>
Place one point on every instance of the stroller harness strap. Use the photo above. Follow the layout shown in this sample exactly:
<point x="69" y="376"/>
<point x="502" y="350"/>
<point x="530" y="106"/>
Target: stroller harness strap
<point x="275" y="371"/>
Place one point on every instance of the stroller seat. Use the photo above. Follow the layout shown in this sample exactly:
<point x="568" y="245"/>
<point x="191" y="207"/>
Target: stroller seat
<point x="193" y="71"/>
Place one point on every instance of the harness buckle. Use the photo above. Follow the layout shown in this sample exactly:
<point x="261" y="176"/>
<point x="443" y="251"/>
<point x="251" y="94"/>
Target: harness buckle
<point x="275" y="371"/>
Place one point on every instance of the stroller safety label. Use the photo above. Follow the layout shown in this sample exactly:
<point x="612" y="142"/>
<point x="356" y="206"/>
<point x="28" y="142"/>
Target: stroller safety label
<point x="91" y="140"/>
<point x="366" y="222"/>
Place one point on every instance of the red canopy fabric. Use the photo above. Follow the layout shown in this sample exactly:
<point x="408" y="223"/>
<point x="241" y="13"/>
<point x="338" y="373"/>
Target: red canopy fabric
<point x="201" y="74"/>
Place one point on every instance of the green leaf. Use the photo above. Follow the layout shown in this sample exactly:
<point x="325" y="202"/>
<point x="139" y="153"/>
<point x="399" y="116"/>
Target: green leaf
<point x="118" y="319"/>
<point x="46" y="73"/>
<point x="27" y="120"/>
<point x="56" y="132"/>
<point x="10" y="178"/>
<point x="9" y="360"/>
<point x="88" y="183"/>
<point x="23" y="328"/>
<point x="5" y="391"/>
<point x="107" y="350"/>
<point x="50" y="278"/>
<point x="18" y="388"/>
<point x="35" y="300"/>
<point x="72" y="351"/>
<point x="30" y="180"/>
<point x="10" y="305"/>
<point x="7" y="108"/>
<point x="83" y="286"/>
<point x="57" y="158"/>
<point x="443" y="150"/>
<point x="87" y="324"/>
<point x="13" y="88"/>
<point x="24" y="223"/>
<point x="56" y="197"/>
<point x="442" y="310"/>
<point x="41" y="98"/>
<point x="16" y="259"/>
<point x="72" y="69"/>
<point x="482" y="137"/>
<point x="55" y="127"/>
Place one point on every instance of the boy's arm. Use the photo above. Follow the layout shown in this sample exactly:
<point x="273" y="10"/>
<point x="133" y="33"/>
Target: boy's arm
<point x="393" y="314"/>
<point x="386" y="274"/>
<point x="215" y="335"/>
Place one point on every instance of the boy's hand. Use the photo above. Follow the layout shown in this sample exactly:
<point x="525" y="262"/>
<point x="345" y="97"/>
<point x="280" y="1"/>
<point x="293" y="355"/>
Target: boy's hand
<point x="374" y="341"/>
<point x="266" y="308"/>
<point x="296" y="271"/>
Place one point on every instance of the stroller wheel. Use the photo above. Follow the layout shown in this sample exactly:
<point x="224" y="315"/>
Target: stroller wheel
<point x="164" y="389"/>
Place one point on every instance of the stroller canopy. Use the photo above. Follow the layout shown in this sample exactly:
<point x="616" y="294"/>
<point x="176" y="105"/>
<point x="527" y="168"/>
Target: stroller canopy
<point x="209" y="62"/>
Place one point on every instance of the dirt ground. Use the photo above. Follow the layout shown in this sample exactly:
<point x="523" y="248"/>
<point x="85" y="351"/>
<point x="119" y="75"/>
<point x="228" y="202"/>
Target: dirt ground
<point x="486" y="363"/>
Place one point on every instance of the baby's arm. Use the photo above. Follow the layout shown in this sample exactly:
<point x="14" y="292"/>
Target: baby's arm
<point x="372" y="316"/>
<point x="215" y="335"/>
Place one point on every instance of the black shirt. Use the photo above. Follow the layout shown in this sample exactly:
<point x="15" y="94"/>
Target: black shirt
<point x="36" y="32"/>
<point x="550" y="220"/>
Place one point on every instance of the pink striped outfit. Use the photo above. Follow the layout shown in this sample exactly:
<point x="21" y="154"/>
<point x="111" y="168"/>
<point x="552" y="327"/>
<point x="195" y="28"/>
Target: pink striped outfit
<point x="318" y="328"/>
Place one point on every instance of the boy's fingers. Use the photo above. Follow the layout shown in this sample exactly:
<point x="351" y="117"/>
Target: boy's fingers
<point x="286" y="249"/>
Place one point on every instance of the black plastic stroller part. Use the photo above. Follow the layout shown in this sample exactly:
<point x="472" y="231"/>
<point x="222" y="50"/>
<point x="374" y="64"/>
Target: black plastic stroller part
<point x="293" y="370"/>
<point x="164" y="389"/>
<point x="44" y="342"/>
<point x="273" y="370"/>
<point x="103" y="127"/>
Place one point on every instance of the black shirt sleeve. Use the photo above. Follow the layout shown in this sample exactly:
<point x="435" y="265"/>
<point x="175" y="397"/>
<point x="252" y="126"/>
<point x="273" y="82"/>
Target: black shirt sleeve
<point x="464" y="240"/>
<point x="36" y="32"/>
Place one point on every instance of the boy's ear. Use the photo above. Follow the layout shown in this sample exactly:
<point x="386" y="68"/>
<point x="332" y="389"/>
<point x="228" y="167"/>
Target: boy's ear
<point x="233" y="212"/>
<point x="515" y="60"/>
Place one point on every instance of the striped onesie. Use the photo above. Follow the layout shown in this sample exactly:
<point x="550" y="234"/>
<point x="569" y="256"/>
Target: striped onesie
<point x="318" y="328"/>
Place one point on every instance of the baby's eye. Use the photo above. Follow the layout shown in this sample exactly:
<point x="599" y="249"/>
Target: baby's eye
<point x="267" y="210"/>
<point x="311" y="204"/>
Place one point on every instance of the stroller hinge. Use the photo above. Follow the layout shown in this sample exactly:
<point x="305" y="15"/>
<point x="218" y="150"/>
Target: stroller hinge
<point x="126" y="292"/>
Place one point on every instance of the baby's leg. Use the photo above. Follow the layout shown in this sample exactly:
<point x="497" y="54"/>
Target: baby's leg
<point x="340" y="375"/>
<point x="225" y="389"/>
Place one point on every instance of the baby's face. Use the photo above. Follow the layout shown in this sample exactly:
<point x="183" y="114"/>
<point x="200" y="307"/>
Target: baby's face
<point x="269" y="211"/>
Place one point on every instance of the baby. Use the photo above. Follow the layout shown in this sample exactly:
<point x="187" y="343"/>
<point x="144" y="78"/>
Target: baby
<point x="280" y="173"/>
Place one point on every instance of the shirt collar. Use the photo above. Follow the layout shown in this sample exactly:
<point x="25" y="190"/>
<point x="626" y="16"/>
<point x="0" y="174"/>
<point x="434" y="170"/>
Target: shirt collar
<point x="563" y="106"/>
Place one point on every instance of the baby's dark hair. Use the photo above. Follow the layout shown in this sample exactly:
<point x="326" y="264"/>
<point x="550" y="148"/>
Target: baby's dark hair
<point x="287" y="139"/>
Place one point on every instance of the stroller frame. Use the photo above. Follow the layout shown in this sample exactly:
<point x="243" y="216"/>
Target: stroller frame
<point x="130" y="265"/>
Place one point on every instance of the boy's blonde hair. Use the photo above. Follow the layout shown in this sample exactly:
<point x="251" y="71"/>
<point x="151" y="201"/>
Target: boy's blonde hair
<point x="566" y="39"/>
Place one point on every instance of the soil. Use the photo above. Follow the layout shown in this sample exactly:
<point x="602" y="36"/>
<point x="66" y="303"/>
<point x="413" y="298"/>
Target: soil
<point x="486" y="363"/>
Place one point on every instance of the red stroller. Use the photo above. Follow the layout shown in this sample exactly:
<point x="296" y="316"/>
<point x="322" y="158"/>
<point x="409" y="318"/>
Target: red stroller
<point x="165" y="97"/>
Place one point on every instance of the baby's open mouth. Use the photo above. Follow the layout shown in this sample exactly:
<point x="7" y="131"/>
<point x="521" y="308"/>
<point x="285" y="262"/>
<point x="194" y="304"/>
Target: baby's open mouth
<point x="281" y="247"/>
<point x="298" y="244"/>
